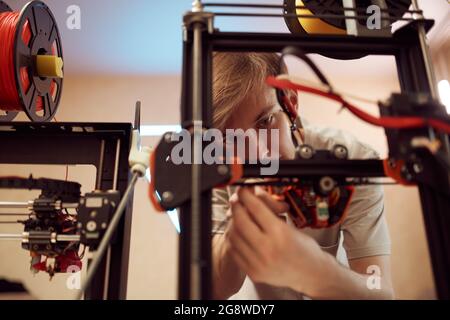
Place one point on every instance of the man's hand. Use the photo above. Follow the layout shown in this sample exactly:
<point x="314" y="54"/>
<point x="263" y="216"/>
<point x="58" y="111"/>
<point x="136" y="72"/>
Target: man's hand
<point x="270" y="251"/>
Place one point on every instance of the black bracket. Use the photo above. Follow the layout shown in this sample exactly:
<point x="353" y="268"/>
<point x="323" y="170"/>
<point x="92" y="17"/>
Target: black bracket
<point x="94" y="213"/>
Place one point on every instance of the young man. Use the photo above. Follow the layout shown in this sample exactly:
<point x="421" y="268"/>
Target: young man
<point x="264" y="257"/>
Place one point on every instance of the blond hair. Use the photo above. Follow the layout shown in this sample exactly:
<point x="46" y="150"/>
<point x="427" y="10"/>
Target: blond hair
<point x="236" y="75"/>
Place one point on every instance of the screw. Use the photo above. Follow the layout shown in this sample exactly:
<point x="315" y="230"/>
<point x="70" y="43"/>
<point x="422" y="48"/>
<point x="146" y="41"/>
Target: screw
<point x="91" y="226"/>
<point x="306" y="152"/>
<point x="167" y="196"/>
<point x="340" y="152"/>
<point x="326" y="184"/>
<point x="222" y="169"/>
<point x="418" y="167"/>
<point x="168" y="137"/>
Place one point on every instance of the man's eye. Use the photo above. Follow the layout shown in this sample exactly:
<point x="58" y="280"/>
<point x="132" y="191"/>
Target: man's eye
<point x="267" y="121"/>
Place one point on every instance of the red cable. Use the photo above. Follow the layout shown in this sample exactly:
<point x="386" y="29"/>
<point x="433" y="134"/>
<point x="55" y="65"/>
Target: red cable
<point x="9" y="97"/>
<point x="385" y="122"/>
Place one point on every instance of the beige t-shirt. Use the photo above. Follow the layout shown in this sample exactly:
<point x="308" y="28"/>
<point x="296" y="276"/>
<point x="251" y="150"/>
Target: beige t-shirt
<point x="364" y="230"/>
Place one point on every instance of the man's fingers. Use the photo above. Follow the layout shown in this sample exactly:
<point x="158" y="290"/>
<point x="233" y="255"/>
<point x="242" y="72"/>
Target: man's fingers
<point x="275" y="205"/>
<point x="246" y="227"/>
<point x="258" y="210"/>
<point x="240" y="244"/>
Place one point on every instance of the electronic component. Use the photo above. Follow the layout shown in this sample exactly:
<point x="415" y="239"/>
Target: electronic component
<point x="94" y="213"/>
<point x="309" y="208"/>
<point x="54" y="235"/>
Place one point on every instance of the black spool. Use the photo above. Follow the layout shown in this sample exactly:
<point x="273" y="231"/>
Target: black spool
<point x="395" y="9"/>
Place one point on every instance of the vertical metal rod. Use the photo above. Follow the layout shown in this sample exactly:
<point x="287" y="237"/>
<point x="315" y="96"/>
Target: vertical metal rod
<point x="108" y="251"/>
<point x="430" y="73"/>
<point x="351" y="24"/>
<point x="116" y="165"/>
<point x="197" y="108"/>
<point x="98" y="184"/>
<point x="425" y="52"/>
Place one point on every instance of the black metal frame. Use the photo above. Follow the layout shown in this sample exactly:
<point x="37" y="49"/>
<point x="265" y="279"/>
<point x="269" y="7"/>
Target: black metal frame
<point x="103" y="145"/>
<point x="404" y="45"/>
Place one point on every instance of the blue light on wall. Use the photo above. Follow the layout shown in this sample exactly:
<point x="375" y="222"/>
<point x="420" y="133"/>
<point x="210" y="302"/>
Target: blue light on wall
<point x="138" y="37"/>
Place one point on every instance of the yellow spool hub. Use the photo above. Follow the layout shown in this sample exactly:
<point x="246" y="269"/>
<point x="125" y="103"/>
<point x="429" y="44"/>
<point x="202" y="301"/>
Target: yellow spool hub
<point x="49" y="66"/>
<point x="332" y="18"/>
<point x="315" y="26"/>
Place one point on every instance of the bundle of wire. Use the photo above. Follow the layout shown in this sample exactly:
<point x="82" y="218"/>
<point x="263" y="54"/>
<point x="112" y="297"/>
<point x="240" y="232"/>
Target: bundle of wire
<point x="287" y="82"/>
<point x="9" y="97"/>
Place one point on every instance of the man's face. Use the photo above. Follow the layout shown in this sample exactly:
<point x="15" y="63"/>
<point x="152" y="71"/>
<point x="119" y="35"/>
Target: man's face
<point x="261" y="110"/>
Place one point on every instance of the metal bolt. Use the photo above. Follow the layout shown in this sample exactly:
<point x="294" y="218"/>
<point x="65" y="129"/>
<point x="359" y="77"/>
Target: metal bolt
<point x="326" y="184"/>
<point x="306" y="152"/>
<point x="168" y="137"/>
<point x="340" y="152"/>
<point x="418" y="167"/>
<point x="167" y="196"/>
<point x="197" y="6"/>
<point x="222" y="169"/>
<point x="91" y="226"/>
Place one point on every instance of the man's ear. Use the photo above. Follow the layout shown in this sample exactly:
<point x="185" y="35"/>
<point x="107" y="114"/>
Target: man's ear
<point x="293" y="98"/>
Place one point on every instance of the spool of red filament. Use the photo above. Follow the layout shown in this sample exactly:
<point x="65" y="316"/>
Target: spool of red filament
<point x="31" y="62"/>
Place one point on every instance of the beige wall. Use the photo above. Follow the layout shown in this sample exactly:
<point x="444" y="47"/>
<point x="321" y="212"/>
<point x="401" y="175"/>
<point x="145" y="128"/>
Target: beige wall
<point x="153" y="262"/>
